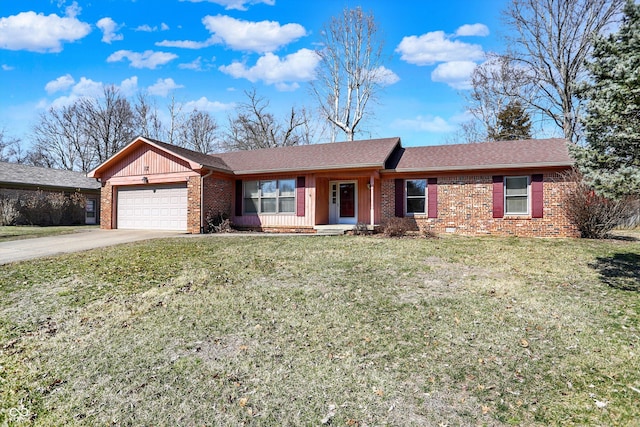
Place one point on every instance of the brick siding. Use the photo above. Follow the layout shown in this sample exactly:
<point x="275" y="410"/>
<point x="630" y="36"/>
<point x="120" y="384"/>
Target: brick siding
<point x="106" y="207"/>
<point x="465" y="207"/>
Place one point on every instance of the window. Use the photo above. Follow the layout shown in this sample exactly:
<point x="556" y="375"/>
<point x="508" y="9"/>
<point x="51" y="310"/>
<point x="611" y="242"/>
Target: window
<point x="416" y="196"/>
<point x="270" y="196"/>
<point x="516" y="195"/>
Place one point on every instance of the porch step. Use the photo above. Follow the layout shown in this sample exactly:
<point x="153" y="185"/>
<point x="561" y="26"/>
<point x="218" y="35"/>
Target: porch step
<point x="332" y="229"/>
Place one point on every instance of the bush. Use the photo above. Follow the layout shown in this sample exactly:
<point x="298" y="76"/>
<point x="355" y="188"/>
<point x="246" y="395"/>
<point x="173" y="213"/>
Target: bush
<point x="8" y="210"/>
<point x="593" y="214"/>
<point x="48" y="208"/>
<point x="218" y="223"/>
<point x="361" y="229"/>
<point x="398" y="227"/>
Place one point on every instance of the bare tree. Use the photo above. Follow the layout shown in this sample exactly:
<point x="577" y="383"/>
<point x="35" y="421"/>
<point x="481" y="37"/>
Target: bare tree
<point x="496" y="83"/>
<point x="349" y="74"/>
<point x="109" y="123"/>
<point x="60" y="139"/>
<point x="199" y="132"/>
<point x="147" y="120"/>
<point x="10" y="148"/>
<point x="550" y="42"/>
<point x="255" y="127"/>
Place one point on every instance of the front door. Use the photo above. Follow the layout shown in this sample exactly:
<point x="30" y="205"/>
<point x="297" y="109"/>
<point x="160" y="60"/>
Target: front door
<point x="90" y="212"/>
<point x="342" y="202"/>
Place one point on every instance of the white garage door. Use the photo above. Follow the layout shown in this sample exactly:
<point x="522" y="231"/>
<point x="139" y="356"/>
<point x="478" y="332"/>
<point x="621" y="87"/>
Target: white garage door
<point x="158" y="207"/>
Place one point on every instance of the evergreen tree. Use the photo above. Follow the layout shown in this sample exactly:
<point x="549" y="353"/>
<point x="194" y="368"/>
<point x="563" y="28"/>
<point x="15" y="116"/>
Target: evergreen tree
<point x="513" y="123"/>
<point x="610" y="161"/>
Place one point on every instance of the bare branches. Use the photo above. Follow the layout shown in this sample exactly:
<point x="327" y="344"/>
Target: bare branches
<point x="347" y="78"/>
<point x="551" y="41"/>
<point x="255" y="127"/>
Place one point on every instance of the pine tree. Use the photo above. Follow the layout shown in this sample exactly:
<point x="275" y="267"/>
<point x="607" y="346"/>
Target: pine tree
<point x="513" y="123"/>
<point x="610" y="161"/>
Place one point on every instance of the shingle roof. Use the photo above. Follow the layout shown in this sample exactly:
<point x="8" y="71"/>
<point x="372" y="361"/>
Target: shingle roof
<point x="361" y="154"/>
<point x="12" y="173"/>
<point x="210" y="161"/>
<point x="486" y="155"/>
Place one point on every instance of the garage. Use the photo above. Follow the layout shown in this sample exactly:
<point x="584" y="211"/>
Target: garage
<point x="153" y="207"/>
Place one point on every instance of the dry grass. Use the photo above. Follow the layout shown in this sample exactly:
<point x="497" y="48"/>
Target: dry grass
<point x="15" y="232"/>
<point x="338" y="330"/>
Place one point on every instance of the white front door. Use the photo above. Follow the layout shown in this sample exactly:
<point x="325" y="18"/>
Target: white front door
<point x="343" y="202"/>
<point x="90" y="212"/>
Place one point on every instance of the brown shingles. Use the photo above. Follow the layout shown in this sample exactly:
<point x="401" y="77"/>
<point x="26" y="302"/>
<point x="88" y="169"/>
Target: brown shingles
<point x="345" y="155"/>
<point x="486" y="155"/>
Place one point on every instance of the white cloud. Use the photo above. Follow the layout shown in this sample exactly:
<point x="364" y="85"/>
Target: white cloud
<point x="434" y="47"/>
<point x="129" y="86"/>
<point x="261" y="37"/>
<point x="203" y="104"/>
<point x="40" y="33"/>
<point x="87" y="88"/>
<point x="60" y="84"/>
<point x="6" y="67"/>
<point x="109" y="28"/>
<point x="149" y="29"/>
<point x="235" y="4"/>
<point x="456" y="74"/>
<point x="425" y="124"/>
<point x="478" y="30"/>
<point x="271" y="69"/>
<point x="198" y="64"/>
<point x="162" y="87"/>
<point x="147" y="59"/>
<point x="385" y="76"/>
<point x="185" y="44"/>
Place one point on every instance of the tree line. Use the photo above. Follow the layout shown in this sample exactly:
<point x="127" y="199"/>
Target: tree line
<point x="555" y="76"/>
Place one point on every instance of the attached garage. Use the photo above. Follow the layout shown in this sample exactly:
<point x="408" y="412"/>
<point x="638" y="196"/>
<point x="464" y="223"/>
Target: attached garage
<point x="152" y="207"/>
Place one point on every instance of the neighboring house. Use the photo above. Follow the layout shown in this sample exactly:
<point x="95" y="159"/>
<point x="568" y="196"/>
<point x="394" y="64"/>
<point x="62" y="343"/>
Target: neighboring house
<point x="18" y="181"/>
<point x="502" y="188"/>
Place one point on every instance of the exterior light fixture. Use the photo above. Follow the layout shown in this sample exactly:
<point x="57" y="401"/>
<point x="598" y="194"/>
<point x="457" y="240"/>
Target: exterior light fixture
<point x="145" y="180"/>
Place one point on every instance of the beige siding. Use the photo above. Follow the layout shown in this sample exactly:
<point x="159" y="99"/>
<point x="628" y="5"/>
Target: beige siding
<point x="147" y="160"/>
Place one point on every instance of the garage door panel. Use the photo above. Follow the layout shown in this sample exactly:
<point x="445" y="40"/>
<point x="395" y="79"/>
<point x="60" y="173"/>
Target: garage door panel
<point x="162" y="207"/>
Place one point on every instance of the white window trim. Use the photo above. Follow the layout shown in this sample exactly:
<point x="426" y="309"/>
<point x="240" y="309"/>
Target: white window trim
<point x="277" y="197"/>
<point x="528" y="212"/>
<point x="426" y="195"/>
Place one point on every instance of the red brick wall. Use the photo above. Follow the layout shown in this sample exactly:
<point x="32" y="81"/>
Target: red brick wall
<point x="193" y="204"/>
<point x="107" y="207"/>
<point x="218" y="194"/>
<point x="465" y="207"/>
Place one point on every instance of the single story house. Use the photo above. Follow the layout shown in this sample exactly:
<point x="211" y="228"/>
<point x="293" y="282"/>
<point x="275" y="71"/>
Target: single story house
<point x="18" y="181"/>
<point x="502" y="188"/>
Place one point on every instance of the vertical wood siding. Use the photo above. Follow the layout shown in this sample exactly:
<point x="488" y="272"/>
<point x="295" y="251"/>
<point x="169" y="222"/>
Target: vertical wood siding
<point x="147" y="160"/>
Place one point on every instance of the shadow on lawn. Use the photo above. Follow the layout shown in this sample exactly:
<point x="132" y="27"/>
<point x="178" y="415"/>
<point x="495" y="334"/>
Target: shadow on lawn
<point x="620" y="271"/>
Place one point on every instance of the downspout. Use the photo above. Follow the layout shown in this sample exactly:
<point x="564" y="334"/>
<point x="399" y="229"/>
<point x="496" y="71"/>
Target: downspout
<point x="202" y="178"/>
<point x="371" y="189"/>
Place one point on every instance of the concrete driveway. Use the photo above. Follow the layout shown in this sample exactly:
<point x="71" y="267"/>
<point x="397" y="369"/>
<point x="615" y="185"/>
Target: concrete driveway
<point x="26" y="249"/>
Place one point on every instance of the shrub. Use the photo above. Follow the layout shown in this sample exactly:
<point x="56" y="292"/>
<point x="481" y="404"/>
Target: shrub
<point x="50" y="208"/>
<point x="398" y="227"/>
<point x="218" y="223"/>
<point x="593" y="214"/>
<point x="361" y="229"/>
<point x="8" y="210"/>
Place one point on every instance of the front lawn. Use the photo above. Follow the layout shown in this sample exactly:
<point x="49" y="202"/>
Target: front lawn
<point x="347" y="331"/>
<point x="15" y="232"/>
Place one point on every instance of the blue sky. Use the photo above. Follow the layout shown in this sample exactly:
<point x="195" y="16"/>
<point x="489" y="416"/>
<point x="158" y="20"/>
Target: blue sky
<point x="206" y="53"/>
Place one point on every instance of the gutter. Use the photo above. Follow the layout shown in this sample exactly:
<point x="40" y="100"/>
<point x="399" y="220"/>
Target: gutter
<point x="479" y="167"/>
